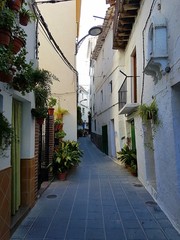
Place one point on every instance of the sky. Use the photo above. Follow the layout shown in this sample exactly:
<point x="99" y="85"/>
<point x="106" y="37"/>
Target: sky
<point x="89" y="8"/>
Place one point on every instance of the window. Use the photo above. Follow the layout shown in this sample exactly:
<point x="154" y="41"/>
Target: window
<point x="122" y="95"/>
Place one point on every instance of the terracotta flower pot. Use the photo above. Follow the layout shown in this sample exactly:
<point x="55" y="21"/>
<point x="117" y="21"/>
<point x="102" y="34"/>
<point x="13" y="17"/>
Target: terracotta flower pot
<point x="6" y="77"/>
<point x="15" y="4"/>
<point x="58" y="127"/>
<point x="23" y="19"/>
<point x="50" y="111"/>
<point x="62" y="176"/>
<point x="17" y="43"/>
<point x="5" y="37"/>
<point x="40" y="121"/>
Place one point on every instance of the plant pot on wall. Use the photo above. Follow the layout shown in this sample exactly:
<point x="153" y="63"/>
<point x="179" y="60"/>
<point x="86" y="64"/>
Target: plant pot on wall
<point x="6" y="77"/>
<point x="5" y="37"/>
<point x="15" y="4"/>
<point x="17" y="44"/>
<point x="50" y="111"/>
<point x="39" y="120"/>
<point x="24" y="19"/>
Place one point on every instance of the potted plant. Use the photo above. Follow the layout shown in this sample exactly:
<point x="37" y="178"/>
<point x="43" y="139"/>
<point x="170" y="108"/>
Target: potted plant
<point x="18" y="39"/>
<point x="60" y="134"/>
<point x="51" y="103"/>
<point x="40" y="113"/>
<point x="25" y="16"/>
<point x="42" y="90"/>
<point x="15" y="4"/>
<point x="58" y="125"/>
<point x="6" y="133"/>
<point x="7" y="18"/>
<point x="128" y="157"/>
<point x="41" y="96"/>
<point x="65" y="157"/>
<point x="60" y="112"/>
<point x="149" y="112"/>
<point x="7" y="68"/>
<point x="43" y="78"/>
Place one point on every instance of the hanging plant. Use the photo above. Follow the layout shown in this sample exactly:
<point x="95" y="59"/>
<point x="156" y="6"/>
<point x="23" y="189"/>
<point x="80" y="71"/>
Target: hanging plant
<point x="42" y="79"/>
<point x="149" y="112"/>
<point x="60" y="112"/>
<point x="6" y="133"/>
<point x="7" y="18"/>
<point x="18" y="39"/>
<point x="26" y="16"/>
<point x="15" y="4"/>
<point x="6" y="65"/>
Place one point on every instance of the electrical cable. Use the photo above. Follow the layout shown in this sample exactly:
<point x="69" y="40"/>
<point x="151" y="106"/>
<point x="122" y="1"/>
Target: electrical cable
<point x="52" y="40"/>
<point x="55" y="1"/>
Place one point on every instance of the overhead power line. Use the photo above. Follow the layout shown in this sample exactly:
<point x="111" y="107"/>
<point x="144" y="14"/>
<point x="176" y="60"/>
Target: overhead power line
<point x="47" y="32"/>
<point x="55" y="1"/>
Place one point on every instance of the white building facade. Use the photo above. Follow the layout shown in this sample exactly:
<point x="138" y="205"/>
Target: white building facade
<point x="63" y="27"/>
<point x="136" y="63"/>
<point x="83" y="103"/>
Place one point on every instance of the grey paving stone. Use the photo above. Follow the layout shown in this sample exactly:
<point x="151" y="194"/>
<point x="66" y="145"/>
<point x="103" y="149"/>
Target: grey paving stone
<point x="99" y="201"/>
<point x="155" y="234"/>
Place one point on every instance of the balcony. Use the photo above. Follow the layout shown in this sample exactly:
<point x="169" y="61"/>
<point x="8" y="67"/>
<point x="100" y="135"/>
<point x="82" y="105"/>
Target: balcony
<point x="124" y="107"/>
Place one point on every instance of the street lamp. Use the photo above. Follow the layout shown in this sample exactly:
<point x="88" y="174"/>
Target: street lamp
<point x="94" y="31"/>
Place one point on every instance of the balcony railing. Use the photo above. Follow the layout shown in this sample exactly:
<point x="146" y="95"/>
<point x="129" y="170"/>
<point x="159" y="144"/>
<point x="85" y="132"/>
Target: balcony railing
<point x="122" y="95"/>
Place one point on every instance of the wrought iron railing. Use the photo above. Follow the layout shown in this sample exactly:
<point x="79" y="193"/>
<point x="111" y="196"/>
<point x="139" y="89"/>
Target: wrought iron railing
<point x="122" y="95"/>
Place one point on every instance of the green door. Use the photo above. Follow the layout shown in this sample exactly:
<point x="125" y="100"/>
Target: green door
<point x="105" y="139"/>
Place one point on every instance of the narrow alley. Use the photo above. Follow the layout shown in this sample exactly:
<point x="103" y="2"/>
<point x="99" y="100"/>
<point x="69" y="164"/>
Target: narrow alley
<point x="100" y="200"/>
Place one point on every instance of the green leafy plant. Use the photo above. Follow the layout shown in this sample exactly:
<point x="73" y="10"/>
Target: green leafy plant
<point x="7" y="59"/>
<point x="60" y="134"/>
<point x="40" y="112"/>
<point x="19" y="32"/>
<point x="66" y="156"/>
<point x="6" y="132"/>
<point x="60" y="112"/>
<point x="22" y="81"/>
<point x="27" y="13"/>
<point x="42" y="80"/>
<point x="148" y="112"/>
<point x="127" y="155"/>
<point x="52" y="102"/>
<point x="7" y="17"/>
<point x="58" y="121"/>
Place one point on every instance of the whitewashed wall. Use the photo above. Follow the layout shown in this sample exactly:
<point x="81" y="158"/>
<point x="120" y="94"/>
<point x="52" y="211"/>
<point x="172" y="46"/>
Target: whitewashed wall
<point x="61" y="20"/>
<point x="158" y="168"/>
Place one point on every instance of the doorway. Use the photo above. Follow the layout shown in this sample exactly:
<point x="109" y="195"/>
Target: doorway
<point x="15" y="157"/>
<point x="112" y="139"/>
<point x="105" y="139"/>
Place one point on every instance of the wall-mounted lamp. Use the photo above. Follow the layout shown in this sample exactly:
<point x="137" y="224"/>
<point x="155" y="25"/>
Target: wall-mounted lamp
<point x="94" y="31"/>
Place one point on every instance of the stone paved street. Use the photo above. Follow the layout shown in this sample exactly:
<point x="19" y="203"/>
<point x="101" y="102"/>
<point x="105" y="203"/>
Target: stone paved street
<point x="100" y="200"/>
